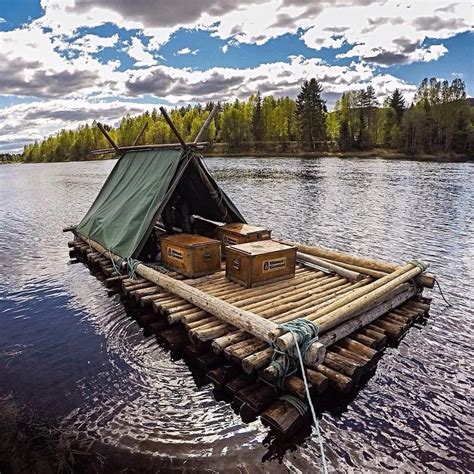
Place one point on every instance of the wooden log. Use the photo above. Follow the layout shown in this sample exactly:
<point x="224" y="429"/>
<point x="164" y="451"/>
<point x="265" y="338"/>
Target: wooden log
<point x="107" y="151"/>
<point x="345" y="273"/>
<point x="140" y="134"/>
<point x="257" y="361"/>
<point x="426" y="279"/>
<point x="345" y="257"/>
<point x="404" y="320"/>
<point x="206" y="124"/>
<point x="319" y="382"/>
<point x="344" y="365"/>
<point x="208" y="360"/>
<point x="115" y="280"/>
<point x="147" y="300"/>
<point x="272" y="311"/>
<point x="254" y="399"/>
<point x="418" y="305"/>
<point x="251" y="345"/>
<point x="139" y="294"/>
<point x="173" y="128"/>
<point x="306" y="310"/>
<point x="269" y="310"/>
<point x="358" y="269"/>
<point x="381" y="339"/>
<point x="219" y="344"/>
<point x="221" y="375"/>
<point x="376" y="329"/>
<point x="108" y="137"/>
<point x="367" y="317"/>
<point x="131" y="288"/>
<point x="251" y="296"/>
<point x="238" y="383"/>
<point x="283" y="418"/>
<point x="357" y="347"/>
<point x="403" y="326"/>
<point x="366" y="340"/>
<point x="173" y="339"/>
<point x="355" y="302"/>
<point x="362" y="360"/>
<point x="340" y="382"/>
<point x="295" y="386"/>
<point x="393" y="332"/>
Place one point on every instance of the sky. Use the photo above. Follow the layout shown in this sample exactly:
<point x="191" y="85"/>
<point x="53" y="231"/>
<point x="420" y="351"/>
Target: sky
<point x="67" y="62"/>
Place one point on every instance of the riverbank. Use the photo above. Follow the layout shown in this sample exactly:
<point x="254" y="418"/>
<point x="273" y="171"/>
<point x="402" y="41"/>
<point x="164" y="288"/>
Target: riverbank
<point x="30" y="443"/>
<point x="218" y="151"/>
<point x="374" y="153"/>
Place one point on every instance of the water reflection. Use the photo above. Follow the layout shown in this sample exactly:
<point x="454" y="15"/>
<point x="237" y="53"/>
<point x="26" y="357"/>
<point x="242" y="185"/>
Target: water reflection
<point x="73" y="352"/>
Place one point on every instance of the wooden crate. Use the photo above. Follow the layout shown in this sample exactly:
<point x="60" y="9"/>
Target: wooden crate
<point x="234" y="234"/>
<point x="258" y="263"/>
<point x="191" y="255"/>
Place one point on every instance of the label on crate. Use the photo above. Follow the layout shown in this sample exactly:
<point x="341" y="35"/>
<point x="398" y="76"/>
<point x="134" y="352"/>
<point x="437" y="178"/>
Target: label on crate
<point x="229" y="240"/>
<point x="174" y="253"/>
<point x="273" y="264"/>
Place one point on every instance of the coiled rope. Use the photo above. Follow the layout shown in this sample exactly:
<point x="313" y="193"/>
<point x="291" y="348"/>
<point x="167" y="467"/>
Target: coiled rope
<point x="304" y="333"/>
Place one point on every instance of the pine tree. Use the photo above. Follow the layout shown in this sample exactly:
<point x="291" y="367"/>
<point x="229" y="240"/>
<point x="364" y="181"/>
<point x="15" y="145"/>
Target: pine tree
<point x="257" y="120"/>
<point x="311" y="111"/>
<point x="397" y="102"/>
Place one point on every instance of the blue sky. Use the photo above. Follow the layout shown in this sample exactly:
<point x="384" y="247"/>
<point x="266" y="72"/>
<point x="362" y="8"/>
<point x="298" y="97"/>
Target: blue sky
<point x="65" y="61"/>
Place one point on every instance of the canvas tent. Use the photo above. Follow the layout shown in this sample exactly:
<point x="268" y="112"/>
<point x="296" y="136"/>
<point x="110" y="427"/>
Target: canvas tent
<point x="138" y="190"/>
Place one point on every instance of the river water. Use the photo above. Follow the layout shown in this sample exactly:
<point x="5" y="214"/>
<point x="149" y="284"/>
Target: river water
<point x="74" y="355"/>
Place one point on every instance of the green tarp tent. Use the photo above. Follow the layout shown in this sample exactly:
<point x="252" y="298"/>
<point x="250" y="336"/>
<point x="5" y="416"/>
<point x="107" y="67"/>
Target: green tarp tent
<point x="138" y="190"/>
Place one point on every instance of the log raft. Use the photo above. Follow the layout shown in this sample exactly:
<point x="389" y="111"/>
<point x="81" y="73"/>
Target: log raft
<point x="229" y="330"/>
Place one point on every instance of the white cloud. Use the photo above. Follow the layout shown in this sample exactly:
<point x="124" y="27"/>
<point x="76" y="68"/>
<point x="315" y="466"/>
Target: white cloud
<point x="138" y="52"/>
<point x="25" y="123"/>
<point x="94" y="43"/>
<point x="390" y="32"/>
<point x="187" y="51"/>
<point x="49" y="58"/>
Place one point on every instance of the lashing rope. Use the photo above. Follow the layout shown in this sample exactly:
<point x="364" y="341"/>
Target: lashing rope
<point x="132" y="265"/>
<point x="423" y="268"/>
<point x="304" y="333"/>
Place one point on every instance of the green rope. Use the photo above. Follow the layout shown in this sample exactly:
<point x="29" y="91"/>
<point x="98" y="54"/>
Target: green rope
<point x="419" y="263"/>
<point x="285" y="362"/>
<point x="132" y="265"/>
<point x="304" y="333"/>
<point x="299" y="405"/>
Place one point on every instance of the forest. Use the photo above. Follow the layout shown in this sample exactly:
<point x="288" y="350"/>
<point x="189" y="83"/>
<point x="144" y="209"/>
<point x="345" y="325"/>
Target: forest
<point x="440" y="120"/>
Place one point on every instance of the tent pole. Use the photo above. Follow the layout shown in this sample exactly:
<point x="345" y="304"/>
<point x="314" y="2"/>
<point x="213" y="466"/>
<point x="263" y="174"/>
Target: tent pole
<point x="175" y="130"/>
<point x="206" y="124"/>
<point x="108" y="137"/>
<point x="140" y="133"/>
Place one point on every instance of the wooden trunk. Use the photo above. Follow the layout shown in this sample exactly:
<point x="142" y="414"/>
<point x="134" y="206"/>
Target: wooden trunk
<point x="258" y="263"/>
<point x="191" y="255"/>
<point x="234" y="234"/>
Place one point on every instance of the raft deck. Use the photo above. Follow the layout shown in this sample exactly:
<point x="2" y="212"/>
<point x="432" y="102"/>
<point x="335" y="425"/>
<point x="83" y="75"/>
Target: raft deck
<point x="238" y="361"/>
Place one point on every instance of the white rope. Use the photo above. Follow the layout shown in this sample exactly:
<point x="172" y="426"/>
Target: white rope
<point x="313" y="413"/>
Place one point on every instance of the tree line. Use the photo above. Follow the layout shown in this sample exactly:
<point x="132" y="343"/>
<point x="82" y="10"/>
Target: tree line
<point x="440" y="119"/>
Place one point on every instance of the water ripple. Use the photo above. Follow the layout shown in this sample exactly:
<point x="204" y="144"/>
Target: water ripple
<point x="75" y="353"/>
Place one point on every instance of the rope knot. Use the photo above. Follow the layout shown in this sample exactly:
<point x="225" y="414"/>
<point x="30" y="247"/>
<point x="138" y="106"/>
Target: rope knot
<point x="305" y="332"/>
<point x="419" y="263"/>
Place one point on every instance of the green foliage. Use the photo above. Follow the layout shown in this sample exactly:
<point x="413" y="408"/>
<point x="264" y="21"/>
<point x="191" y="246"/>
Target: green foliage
<point x="311" y="113"/>
<point x="439" y="120"/>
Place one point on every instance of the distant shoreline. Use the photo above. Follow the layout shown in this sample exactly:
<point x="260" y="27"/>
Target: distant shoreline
<point x="374" y="153"/>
